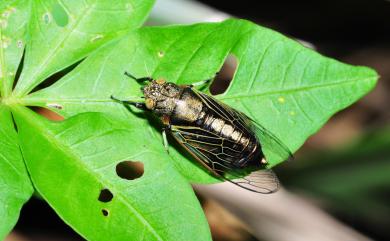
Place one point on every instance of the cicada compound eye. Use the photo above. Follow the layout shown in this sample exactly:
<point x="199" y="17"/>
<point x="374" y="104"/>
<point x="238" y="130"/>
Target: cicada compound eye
<point x="150" y="103"/>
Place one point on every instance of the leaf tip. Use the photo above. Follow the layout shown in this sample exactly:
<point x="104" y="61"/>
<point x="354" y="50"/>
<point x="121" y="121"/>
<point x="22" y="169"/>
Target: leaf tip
<point x="371" y="77"/>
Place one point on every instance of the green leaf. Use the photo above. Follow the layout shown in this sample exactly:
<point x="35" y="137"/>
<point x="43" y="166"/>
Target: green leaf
<point x="15" y="184"/>
<point x="13" y="19"/>
<point x="289" y="89"/>
<point x="64" y="32"/>
<point x="14" y="181"/>
<point x="77" y="158"/>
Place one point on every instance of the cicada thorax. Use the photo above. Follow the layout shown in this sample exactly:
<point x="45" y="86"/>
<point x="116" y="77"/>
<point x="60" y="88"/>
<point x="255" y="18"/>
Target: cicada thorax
<point x="219" y="138"/>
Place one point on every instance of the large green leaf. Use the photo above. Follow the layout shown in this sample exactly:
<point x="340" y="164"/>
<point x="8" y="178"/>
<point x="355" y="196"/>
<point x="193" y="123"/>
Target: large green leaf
<point x="289" y="89"/>
<point x="77" y="158"/>
<point x="15" y="183"/>
<point x="63" y="32"/>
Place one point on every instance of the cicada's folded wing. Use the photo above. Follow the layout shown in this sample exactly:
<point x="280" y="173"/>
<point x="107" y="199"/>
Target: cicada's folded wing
<point x="208" y="149"/>
<point x="273" y="148"/>
<point x="217" y="155"/>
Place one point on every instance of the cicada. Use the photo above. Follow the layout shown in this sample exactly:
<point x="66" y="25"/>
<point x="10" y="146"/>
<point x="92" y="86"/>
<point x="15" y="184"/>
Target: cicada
<point x="224" y="140"/>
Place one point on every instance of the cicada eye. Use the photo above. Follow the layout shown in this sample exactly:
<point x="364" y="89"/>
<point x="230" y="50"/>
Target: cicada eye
<point x="150" y="103"/>
<point x="160" y="81"/>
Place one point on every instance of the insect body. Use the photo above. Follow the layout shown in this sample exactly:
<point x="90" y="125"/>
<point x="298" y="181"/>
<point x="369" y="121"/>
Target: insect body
<point x="225" y="141"/>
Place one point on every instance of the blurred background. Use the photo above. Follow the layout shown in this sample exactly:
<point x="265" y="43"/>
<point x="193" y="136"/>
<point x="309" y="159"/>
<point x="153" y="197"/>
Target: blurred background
<point x="338" y="188"/>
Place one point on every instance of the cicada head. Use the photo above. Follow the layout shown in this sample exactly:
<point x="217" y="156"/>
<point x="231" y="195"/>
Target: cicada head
<point x="161" y="96"/>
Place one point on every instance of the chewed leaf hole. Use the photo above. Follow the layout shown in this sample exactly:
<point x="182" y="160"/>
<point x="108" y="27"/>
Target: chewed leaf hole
<point x="224" y="77"/>
<point x="48" y="114"/>
<point x="105" y="212"/>
<point x="105" y="196"/>
<point x="130" y="170"/>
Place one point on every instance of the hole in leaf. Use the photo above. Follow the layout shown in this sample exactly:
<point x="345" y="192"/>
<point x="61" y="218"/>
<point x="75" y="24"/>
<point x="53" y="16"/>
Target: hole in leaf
<point x="48" y="114"/>
<point x="130" y="170"/>
<point x="105" y="212"/>
<point x="56" y="76"/>
<point x="105" y="196"/>
<point x="225" y="76"/>
<point x="19" y="43"/>
<point x="160" y="53"/>
<point x="46" y="18"/>
<point x="59" y="14"/>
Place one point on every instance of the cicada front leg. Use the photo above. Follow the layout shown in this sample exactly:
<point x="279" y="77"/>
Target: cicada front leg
<point x="165" y="140"/>
<point x="202" y="83"/>
<point x="167" y="127"/>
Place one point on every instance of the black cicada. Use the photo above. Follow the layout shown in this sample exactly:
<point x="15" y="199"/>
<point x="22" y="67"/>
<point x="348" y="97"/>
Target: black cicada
<point x="225" y="141"/>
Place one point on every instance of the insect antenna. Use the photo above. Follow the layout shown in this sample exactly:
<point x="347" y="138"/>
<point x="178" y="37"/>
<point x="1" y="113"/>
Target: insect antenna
<point x="139" y="80"/>
<point x="127" y="103"/>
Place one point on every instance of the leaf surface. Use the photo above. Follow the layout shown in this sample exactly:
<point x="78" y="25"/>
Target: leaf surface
<point x="15" y="183"/>
<point x="289" y="89"/>
<point x="79" y="161"/>
<point x="13" y="24"/>
<point x="64" y="32"/>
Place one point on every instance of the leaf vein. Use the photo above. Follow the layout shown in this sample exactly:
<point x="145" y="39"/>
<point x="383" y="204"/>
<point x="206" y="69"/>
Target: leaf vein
<point x="291" y="90"/>
<point x="201" y="45"/>
<point x="306" y="115"/>
<point x="261" y="60"/>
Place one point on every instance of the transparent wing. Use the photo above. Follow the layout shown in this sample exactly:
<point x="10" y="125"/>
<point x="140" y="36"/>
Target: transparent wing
<point x="272" y="147"/>
<point x="208" y="149"/>
<point x="215" y="152"/>
<point x="261" y="181"/>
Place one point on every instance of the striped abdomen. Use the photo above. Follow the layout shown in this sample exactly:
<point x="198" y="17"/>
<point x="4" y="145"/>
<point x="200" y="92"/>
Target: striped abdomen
<point x="242" y="144"/>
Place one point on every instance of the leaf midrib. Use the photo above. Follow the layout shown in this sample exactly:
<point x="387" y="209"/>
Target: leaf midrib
<point x="68" y="152"/>
<point x="292" y="90"/>
<point x="37" y="101"/>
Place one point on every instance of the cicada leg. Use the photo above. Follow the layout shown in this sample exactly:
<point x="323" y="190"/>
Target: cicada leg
<point x="165" y="140"/>
<point x="202" y="83"/>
